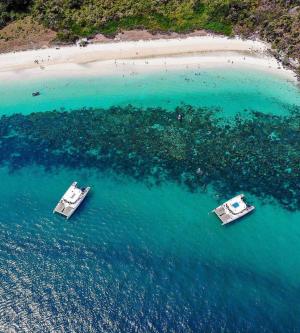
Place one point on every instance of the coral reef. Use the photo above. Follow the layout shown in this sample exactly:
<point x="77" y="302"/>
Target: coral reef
<point x="259" y="154"/>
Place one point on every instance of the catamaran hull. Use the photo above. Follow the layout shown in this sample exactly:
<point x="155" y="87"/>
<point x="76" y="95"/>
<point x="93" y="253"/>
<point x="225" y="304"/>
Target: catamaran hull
<point x="67" y="209"/>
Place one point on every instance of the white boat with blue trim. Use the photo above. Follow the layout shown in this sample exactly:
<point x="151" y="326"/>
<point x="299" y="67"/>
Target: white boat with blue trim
<point x="233" y="209"/>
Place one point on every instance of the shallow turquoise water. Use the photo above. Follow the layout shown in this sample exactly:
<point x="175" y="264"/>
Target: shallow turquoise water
<point x="140" y="258"/>
<point x="231" y="90"/>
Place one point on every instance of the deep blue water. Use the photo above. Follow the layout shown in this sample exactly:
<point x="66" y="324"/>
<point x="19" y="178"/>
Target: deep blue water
<point x="141" y="258"/>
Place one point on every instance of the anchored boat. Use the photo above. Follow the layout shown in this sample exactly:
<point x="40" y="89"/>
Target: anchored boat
<point x="233" y="209"/>
<point x="71" y="200"/>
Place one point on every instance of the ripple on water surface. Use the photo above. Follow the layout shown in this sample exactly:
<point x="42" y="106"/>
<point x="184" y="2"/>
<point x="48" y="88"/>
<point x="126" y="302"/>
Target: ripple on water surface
<point x="140" y="257"/>
<point x="136" y="258"/>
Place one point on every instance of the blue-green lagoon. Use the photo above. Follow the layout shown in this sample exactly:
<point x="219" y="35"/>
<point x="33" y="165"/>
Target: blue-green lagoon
<point x="144" y="253"/>
<point x="230" y="89"/>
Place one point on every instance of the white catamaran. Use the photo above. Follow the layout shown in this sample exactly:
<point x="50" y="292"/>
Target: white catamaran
<point x="233" y="209"/>
<point x="71" y="200"/>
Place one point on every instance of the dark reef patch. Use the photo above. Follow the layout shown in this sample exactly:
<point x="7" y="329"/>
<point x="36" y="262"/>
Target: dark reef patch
<point x="259" y="154"/>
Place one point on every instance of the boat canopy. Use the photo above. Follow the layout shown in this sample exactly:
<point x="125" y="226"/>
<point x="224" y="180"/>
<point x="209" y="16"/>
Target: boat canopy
<point x="72" y="195"/>
<point x="236" y="205"/>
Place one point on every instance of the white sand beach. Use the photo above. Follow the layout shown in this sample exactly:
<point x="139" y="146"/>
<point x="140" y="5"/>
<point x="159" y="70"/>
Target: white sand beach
<point x="131" y="57"/>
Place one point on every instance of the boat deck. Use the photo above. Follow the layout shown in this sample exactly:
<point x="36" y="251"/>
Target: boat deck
<point x="233" y="209"/>
<point x="63" y="210"/>
<point x="223" y="216"/>
<point x="71" y="200"/>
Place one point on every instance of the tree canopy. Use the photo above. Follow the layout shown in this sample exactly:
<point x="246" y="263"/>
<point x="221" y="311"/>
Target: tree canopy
<point x="277" y="21"/>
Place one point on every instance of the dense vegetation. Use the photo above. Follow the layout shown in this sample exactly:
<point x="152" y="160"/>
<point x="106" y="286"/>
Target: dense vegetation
<point x="277" y="21"/>
<point x="85" y="17"/>
<point x="12" y="9"/>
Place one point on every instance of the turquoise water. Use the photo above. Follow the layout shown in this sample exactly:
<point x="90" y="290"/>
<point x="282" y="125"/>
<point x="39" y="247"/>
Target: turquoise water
<point x="143" y="255"/>
<point x="231" y="90"/>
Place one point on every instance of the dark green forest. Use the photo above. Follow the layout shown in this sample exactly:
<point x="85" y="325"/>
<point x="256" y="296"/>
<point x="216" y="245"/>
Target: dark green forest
<point x="276" y="21"/>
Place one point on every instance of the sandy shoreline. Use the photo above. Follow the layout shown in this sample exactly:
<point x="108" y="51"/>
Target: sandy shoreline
<point x="129" y="58"/>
